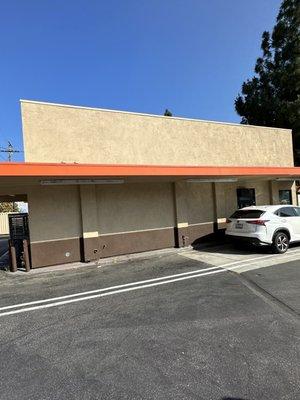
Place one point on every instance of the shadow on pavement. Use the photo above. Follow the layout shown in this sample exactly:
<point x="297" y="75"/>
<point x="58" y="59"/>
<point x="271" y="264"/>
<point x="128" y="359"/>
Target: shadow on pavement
<point x="225" y="246"/>
<point x="219" y="242"/>
<point x="215" y="242"/>
<point x="230" y="248"/>
<point x="232" y="398"/>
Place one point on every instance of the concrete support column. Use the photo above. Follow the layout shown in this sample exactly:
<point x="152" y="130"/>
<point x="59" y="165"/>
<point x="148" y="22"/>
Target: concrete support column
<point x="294" y="194"/>
<point x="181" y="214"/>
<point x="274" y="194"/>
<point x="220" y="199"/>
<point x="90" y="241"/>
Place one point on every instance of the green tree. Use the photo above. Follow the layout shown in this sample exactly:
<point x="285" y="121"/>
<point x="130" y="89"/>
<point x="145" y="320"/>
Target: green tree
<point x="168" y="113"/>
<point x="272" y="96"/>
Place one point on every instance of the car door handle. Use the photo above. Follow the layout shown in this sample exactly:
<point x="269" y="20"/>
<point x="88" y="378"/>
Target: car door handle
<point x="283" y="220"/>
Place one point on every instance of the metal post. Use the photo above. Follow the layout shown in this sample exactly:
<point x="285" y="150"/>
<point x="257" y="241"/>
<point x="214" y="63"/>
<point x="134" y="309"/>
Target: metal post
<point x="13" y="257"/>
<point x="26" y="255"/>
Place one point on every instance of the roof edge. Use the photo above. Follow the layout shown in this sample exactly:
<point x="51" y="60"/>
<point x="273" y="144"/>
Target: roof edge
<point x="82" y="165"/>
<point x="149" y="115"/>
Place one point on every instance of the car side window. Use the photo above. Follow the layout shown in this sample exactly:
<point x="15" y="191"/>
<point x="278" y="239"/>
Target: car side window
<point x="297" y="211"/>
<point x="286" y="212"/>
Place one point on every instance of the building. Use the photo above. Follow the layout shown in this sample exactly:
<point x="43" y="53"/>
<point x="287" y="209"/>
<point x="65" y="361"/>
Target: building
<point x="101" y="183"/>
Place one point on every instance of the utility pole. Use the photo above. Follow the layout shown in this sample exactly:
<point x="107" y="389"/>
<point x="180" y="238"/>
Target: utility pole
<point x="10" y="151"/>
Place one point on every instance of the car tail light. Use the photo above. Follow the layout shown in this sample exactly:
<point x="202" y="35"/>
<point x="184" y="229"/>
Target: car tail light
<point x="228" y="221"/>
<point x="258" y="222"/>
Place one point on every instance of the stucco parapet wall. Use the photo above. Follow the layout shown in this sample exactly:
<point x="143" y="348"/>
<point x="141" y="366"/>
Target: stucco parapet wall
<point x="57" y="132"/>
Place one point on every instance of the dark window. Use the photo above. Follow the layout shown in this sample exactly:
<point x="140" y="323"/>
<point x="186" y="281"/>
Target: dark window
<point x="286" y="212"/>
<point x="245" y="197"/>
<point x="247" y="214"/>
<point x="285" y="196"/>
<point x="297" y="211"/>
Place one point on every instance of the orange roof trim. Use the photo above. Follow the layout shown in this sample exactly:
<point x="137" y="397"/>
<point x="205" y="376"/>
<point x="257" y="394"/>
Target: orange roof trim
<point x="97" y="170"/>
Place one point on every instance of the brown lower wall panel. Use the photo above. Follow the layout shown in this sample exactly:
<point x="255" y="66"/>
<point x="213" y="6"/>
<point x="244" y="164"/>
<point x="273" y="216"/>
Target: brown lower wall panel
<point x="90" y="249"/>
<point x="55" y="252"/>
<point x="182" y="237"/>
<point x="134" y="242"/>
<point x="188" y="235"/>
<point x="74" y="250"/>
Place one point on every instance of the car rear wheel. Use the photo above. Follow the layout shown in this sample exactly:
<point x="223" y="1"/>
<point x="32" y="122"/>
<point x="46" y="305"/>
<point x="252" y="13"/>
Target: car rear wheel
<point x="280" y="242"/>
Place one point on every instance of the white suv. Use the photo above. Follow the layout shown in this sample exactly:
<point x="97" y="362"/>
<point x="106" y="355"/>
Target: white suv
<point x="277" y="226"/>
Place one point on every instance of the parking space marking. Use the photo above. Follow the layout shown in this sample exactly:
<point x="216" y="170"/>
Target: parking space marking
<point x="106" y="289"/>
<point x="128" y="289"/>
<point x="253" y="259"/>
<point x="132" y="286"/>
<point x="250" y="266"/>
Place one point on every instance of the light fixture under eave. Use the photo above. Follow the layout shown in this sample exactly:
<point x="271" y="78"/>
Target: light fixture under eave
<point x="82" y="182"/>
<point x="221" y="180"/>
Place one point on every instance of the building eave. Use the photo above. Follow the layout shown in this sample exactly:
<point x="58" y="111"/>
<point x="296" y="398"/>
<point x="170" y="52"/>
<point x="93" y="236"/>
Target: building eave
<point x="23" y="169"/>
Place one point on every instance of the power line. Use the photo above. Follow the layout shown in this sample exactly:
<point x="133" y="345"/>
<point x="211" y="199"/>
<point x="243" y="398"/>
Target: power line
<point x="10" y="151"/>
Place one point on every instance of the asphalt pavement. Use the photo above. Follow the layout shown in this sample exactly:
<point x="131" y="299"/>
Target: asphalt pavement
<point x="168" y="327"/>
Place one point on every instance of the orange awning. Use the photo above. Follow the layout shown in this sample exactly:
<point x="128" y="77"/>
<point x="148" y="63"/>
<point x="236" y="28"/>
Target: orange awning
<point x="23" y="169"/>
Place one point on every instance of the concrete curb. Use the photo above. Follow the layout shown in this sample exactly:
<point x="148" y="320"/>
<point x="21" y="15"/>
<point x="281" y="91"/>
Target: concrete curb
<point x="112" y="260"/>
<point x="99" y="263"/>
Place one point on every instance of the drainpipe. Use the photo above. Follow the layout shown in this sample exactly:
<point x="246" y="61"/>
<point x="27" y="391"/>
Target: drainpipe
<point x="215" y="213"/>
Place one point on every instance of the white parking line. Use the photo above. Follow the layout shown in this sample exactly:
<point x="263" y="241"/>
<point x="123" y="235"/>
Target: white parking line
<point x="59" y="303"/>
<point x="76" y="297"/>
<point x="253" y="259"/>
<point x="106" y="289"/>
<point x="277" y="257"/>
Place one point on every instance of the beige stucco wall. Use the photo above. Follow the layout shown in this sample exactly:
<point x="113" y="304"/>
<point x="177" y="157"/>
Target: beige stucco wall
<point x="283" y="185"/>
<point x="55" y="210"/>
<point x="54" y="133"/>
<point x="54" y="213"/>
<point x="262" y="191"/>
<point x="133" y="207"/>
<point x="200" y="203"/>
<point x="227" y="198"/>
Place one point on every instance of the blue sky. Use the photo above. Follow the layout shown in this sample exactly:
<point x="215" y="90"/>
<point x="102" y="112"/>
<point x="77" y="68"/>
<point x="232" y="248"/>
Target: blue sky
<point x="190" y="56"/>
